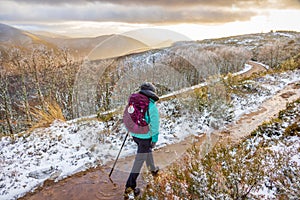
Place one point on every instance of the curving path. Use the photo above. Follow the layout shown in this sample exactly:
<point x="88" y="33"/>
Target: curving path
<point x="95" y="184"/>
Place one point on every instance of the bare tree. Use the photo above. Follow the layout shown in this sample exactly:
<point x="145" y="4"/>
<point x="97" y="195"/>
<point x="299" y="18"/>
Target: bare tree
<point x="18" y="60"/>
<point x="232" y="59"/>
<point x="37" y="65"/>
<point x="5" y="103"/>
<point x="271" y="53"/>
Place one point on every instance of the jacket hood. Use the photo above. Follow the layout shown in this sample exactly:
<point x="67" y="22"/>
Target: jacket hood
<point x="149" y="94"/>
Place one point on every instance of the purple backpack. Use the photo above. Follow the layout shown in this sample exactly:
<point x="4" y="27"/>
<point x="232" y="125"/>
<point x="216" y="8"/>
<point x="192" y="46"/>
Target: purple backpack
<point x="134" y="114"/>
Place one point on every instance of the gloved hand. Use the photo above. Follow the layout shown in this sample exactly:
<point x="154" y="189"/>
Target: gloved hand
<point x="153" y="144"/>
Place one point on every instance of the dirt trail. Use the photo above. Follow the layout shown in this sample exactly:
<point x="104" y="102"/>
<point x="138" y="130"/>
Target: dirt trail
<point x="268" y="110"/>
<point x="95" y="184"/>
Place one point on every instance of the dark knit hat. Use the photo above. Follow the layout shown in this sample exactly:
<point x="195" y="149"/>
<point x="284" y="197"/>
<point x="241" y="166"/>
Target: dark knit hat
<point x="149" y="90"/>
<point x="148" y="86"/>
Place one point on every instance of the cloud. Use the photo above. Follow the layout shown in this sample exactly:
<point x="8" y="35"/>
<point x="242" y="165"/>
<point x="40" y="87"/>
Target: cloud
<point x="138" y="11"/>
<point x="119" y="13"/>
<point x="170" y="3"/>
<point x="291" y="4"/>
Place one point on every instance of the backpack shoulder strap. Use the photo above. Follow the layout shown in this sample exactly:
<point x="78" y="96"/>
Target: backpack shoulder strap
<point x="148" y="114"/>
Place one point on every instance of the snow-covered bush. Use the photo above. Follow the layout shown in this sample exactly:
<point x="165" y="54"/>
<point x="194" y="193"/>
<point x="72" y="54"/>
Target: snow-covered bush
<point x="265" y="165"/>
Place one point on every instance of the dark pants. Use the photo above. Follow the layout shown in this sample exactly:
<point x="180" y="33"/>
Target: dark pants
<point x="144" y="153"/>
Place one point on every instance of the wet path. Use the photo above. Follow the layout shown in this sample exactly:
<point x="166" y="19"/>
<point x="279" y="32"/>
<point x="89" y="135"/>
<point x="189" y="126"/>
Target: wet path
<point x="95" y="183"/>
<point x="268" y="110"/>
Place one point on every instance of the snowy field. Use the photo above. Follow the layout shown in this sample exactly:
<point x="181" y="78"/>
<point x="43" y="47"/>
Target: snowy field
<point x="73" y="146"/>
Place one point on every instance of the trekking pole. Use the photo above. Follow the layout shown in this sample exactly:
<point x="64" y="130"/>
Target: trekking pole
<point x="112" y="169"/>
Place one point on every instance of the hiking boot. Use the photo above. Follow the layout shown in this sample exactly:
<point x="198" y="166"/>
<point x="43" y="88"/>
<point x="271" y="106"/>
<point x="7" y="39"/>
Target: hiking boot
<point x="136" y="192"/>
<point x="129" y="191"/>
<point x="155" y="171"/>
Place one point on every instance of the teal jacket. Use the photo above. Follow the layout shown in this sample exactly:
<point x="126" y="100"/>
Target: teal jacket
<point x="154" y="123"/>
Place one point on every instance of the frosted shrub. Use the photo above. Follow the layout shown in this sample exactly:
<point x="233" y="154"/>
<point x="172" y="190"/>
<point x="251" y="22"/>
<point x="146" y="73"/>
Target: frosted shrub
<point x="219" y="103"/>
<point x="263" y="166"/>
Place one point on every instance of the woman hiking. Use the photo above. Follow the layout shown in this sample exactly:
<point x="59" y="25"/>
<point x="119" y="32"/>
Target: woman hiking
<point x="146" y="141"/>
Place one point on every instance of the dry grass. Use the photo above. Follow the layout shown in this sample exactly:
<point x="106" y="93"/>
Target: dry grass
<point x="45" y="116"/>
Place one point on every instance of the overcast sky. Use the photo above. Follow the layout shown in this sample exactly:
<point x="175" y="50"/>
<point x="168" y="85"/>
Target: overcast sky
<point x="96" y="17"/>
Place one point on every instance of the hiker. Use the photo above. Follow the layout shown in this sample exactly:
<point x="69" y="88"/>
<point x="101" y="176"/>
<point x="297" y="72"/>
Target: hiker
<point x="146" y="142"/>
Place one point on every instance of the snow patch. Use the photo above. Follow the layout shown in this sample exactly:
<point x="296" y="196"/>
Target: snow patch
<point x="69" y="147"/>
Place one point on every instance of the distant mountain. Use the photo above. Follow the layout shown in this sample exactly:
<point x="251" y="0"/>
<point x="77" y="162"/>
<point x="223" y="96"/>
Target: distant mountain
<point x="46" y="34"/>
<point x="105" y="46"/>
<point x="10" y="36"/>
<point x="79" y="47"/>
<point x="117" y="45"/>
<point x="155" y="37"/>
<point x="8" y="33"/>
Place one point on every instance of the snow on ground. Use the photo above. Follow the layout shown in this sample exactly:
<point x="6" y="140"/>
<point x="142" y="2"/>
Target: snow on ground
<point x="284" y="34"/>
<point x="69" y="147"/>
<point x="246" y="68"/>
<point x="280" y="143"/>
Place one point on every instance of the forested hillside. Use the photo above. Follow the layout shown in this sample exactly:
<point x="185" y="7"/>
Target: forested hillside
<point x="36" y="80"/>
